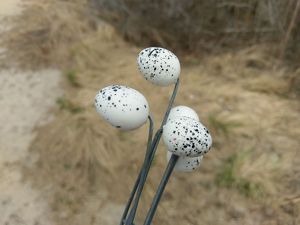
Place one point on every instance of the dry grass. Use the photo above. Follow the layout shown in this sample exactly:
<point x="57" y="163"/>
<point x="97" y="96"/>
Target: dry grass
<point x="243" y="96"/>
<point x="46" y="41"/>
<point x="205" y="25"/>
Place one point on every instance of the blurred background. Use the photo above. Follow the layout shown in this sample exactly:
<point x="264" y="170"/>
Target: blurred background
<point x="61" y="164"/>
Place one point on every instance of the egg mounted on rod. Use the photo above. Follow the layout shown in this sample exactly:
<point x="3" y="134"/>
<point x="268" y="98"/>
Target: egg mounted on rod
<point x="146" y="60"/>
<point x="185" y="137"/>
<point x="123" y="107"/>
<point x="187" y="140"/>
<point x="159" y="66"/>
<point x="126" y="109"/>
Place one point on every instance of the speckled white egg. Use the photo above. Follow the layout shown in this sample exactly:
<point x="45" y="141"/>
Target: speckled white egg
<point x="181" y="110"/>
<point x="186" y="164"/>
<point x="158" y="65"/>
<point x="123" y="107"/>
<point x="184" y="136"/>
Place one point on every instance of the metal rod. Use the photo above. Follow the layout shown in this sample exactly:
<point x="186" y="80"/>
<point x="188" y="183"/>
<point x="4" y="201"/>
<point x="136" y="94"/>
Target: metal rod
<point x="140" y="182"/>
<point x="132" y="194"/>
<point x="148" y="152"/>
<point x="159" y="133"/>
<point x="131" y="216"/>
<point x="160" y="130"/>
<point x="161" y="189"/>
<point x="170" y="103"/>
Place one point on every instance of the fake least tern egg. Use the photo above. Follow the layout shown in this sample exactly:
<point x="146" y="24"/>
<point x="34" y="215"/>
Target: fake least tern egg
<point x="158" y="65"/>
<point x="184" y="136"/>
<point x="186" y="164"/>
<point x="123" y="107"/>
<point x="181" y="110"/>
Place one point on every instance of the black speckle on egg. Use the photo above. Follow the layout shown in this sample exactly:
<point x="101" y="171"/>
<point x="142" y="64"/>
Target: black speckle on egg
<point x="113" y="103"/>
<point x="153" y="66"/>
<point x="191" y="143"/>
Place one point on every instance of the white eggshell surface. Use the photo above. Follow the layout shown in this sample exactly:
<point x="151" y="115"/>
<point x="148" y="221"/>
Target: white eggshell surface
<point x="186" y="164"/>
<point x="180" y="111"/>
<point x="158" y="65"/>
<point x="123" y="107"/>
<point x="184" y="136"/>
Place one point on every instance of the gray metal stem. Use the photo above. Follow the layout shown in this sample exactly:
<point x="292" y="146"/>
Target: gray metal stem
<point x="161" y="189"/>
<point x="140" y="182"/>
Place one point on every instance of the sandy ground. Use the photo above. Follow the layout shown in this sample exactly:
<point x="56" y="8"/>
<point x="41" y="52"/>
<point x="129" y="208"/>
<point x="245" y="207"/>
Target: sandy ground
<point x="25" y="99"/>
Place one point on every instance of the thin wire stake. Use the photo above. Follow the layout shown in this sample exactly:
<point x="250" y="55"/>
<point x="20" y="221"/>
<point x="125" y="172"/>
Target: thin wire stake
<point x="142" y="179"/>
<point x="132" y="194"/>
<point x="161" y="189"/>
<point x="170" y="103"/>
<point x="151" y="156"/>
<point x="160" y="130"/>
<point x="148" y="152"/>
<point x="148" y="160"/>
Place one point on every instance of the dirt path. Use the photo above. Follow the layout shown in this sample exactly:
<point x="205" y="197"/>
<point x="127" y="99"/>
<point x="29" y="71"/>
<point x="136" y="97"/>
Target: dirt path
<point x="25" y="99"/>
